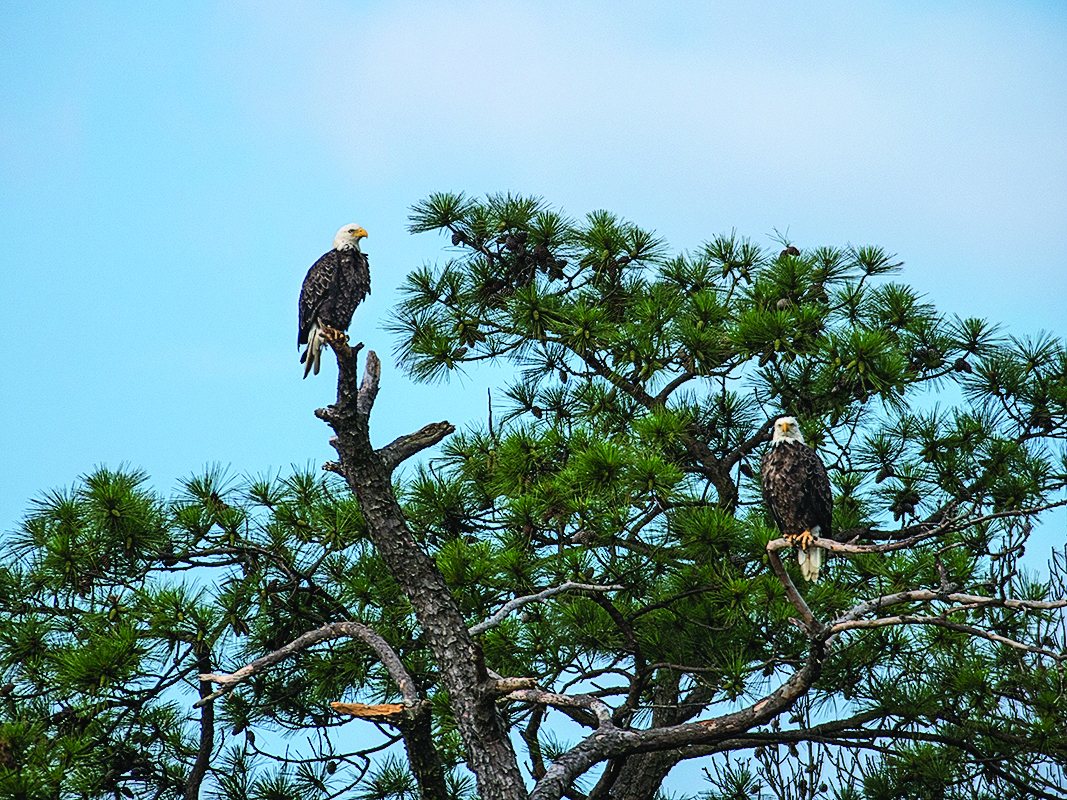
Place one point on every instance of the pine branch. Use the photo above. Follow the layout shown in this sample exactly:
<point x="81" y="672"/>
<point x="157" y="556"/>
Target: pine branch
<point x="609" y="741"/>
<point x="927" y="595"/>
<point x="941" y="622"/>
<point x="948" y="525"/>
<point x="746" y="447"/>
<point x="519" y="602"/>
<point x="600" y="710"/>
<point x="228" y="681"/>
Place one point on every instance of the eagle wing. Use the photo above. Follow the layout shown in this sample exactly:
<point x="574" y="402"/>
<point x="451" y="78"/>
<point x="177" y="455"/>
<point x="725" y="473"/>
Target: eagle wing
<point x="818" y="496"/>
<point x="315" y="291"/>
<point x="776" y="482"/>
<point x="353" y="285"/>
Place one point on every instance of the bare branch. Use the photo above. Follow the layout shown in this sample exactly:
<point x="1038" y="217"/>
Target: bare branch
<point x="869" y="606"/>
<point x="336" y="630"/>
<point x="1007" y="602"/>
<point x="406" y="446"/>
<point x="501" y="686"/>
<point x="948" y="524"/>
<point x="928" y="595"/>
<point x="941" y="622"/>
<point x="856" y="549"/>
<point x="519" y="602"/>
<point x="368" y="390"/>
<point x="598" y="707"/>
<point x="812" y="625"/>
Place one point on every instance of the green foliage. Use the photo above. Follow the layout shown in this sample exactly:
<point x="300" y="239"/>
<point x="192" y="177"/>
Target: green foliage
<point x="625" y="453"/>
<point x="628" y="443"/>
<point x="113" y="593"/>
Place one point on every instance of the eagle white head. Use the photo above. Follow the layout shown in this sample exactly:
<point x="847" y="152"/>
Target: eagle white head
<point x="348" y="237"/>
<point x="786" y="429"/>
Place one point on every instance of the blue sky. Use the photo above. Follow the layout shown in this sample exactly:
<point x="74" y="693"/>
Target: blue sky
<point x="168" y="171"/>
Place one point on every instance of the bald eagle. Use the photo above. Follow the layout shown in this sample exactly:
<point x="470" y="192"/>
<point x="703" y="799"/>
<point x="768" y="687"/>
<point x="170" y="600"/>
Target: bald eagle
<point x="796" y="490"/>
<point x="332" y="289"/>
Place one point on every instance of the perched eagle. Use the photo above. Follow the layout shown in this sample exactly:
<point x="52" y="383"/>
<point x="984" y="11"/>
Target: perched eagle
<point x="334" y="286"/>
<point x="796" y="490"/>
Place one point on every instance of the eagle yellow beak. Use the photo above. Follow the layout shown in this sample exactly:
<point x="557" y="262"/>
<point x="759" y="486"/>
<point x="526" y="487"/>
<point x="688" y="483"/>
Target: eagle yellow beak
<point x="359" y="233"/>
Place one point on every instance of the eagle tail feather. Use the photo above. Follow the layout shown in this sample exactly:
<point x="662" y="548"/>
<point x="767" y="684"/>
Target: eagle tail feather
<point x="313" y="354"/>
<point x="810" y="562"/>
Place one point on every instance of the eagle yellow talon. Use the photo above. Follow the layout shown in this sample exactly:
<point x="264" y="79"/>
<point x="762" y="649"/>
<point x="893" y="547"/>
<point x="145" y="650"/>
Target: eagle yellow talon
<point x="334" y="336"/>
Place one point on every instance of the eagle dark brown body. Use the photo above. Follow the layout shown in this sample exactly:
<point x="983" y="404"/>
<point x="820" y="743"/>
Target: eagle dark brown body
<point x="332" y="289"/>
<point x="796" y="490"/>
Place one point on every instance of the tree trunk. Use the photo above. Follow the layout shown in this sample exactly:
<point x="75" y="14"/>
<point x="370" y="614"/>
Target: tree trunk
<point x="207" y="726"/>
<point x="423" y="757"/>
<point x="642" y="775"/>
<point x="489" y="752"/>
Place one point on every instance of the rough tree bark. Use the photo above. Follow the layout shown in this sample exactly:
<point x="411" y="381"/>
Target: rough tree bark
<point x="368" y="472"/>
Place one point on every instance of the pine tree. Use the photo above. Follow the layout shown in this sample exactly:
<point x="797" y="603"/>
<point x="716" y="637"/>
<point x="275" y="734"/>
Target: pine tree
<point x="583" y="590"/>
